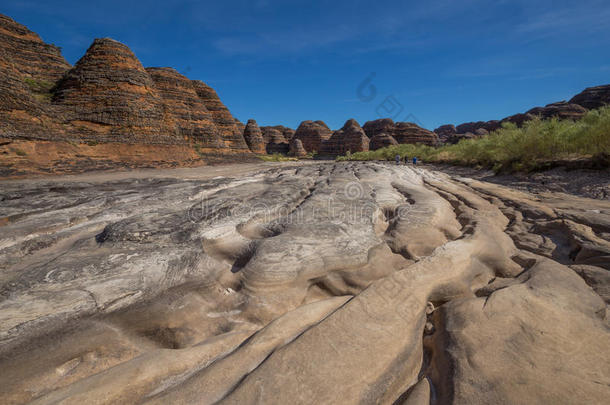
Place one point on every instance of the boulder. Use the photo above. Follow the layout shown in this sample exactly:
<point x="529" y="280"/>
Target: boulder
<point x="481" y="132"/>
<point x="593" y="97"/>
<point x="312" y="134"/>
<point x="254" y="137"/>
<point x="350" y="138"/>
<point x="185" y="113"/>
<point x="382" y="140"/>
<point x="296" y="148"/>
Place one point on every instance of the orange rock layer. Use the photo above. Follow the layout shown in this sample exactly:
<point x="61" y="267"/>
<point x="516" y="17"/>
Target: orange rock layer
<point x="107" y="97"/>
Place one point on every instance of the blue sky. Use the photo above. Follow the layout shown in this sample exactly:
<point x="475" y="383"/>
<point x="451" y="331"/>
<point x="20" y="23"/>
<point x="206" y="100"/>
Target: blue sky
<point x="432" y="62"/>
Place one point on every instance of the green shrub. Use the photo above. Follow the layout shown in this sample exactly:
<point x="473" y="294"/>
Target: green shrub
<point x="531" y="146"/>
<point x="276" y="157"/>
<point x="40" y="89"/>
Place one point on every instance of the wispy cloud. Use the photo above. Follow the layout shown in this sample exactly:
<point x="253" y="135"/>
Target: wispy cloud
<point x="585" y="17"/>
<point x="287" y="42"/>
<point x="362" y="27"/>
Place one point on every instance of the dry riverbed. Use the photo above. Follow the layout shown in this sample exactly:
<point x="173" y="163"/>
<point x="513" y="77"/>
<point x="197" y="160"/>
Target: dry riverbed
<point x="315" y="282"/>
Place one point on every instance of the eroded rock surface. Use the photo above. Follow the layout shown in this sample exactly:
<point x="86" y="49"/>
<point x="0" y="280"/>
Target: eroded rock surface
<point x="302" y="283"/>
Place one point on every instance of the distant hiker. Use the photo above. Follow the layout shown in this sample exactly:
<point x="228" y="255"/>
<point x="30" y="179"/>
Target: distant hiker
<point x="406" y="159"/>
<point x="397" y="159"/>
<point x="414" y="160"/>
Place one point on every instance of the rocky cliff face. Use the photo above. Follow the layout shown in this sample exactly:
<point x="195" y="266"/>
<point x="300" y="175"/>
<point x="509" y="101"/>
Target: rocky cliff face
<point x="312" y="134"/>
<point x="108" y="96"/>
<point x="254" y="137"/>
<point x="35" y="60"/>
<point x="22" y="113"/>
<point x="227" y="126"/>
<point x="350" y="138"/>
<point x="109" y="92"/>
<point x="184" y="112"/>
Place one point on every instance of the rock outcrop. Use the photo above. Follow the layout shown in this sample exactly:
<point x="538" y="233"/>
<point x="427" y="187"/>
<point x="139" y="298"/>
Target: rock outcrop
<point x="228" y="129"/>
<point x="184" y="112"/>
<point x="327" y="283"/>
<point x="15" y="98"/>
<point x="254" y="137"/>
<point x="275" y="141"/>
<point x="296" y="148"/>
<point x="385" y="125"/>
<point x="109" y="92"/>
<point x="575" y="109"/>
<point x="350" y="138"/>
<point x="562" y="110"/>
<point x="593" y="97"/>
<point x="408" y="132"/>
<point x="402" y="132"/>
<point x="39" y="63"/>
<point x="107" y="97"/>
<point x="288" y="133"/>
<point x="444" y="132"/>
<point x="382" y="140"/>
<point x="312" y="134"/>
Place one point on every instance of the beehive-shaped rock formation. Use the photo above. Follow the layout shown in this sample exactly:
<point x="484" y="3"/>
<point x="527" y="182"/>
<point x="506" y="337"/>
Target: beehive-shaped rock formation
<point x="312" y="134"/>
<point x="382" y="140"/>
<point x="254" y="137"/>
<point x="110" y="93"/>
<point x="350" y="138"/>
<point x="186" y="114"/>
